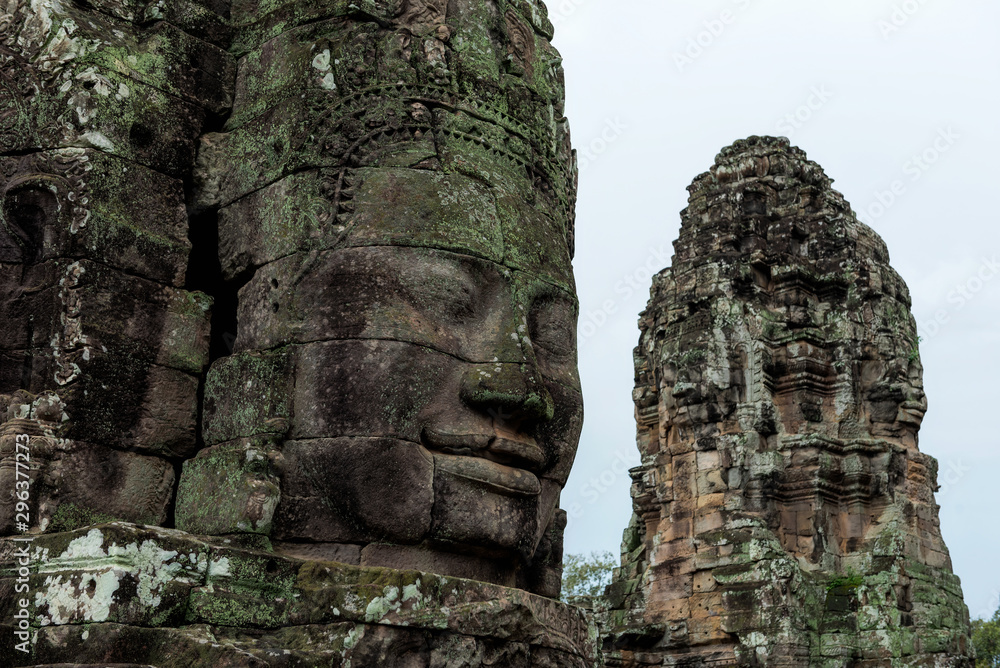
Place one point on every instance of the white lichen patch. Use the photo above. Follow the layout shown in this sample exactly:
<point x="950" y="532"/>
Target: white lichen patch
<point x="411" y="592"/>
<point x="219" y="568"/>
<point x="85" y="547"/>
<point x="85" y="577"/>
<point x="380" y="606"/>
<point x="155" y="12"/>
<point x="322" y="60"/>
<point x="94" y="139"/>
<point x="153" y="566"/>
<point x="353" y="636"/>
<point x="321" y="63"/>
<point x="87" y="599"/>
<point x="757" y="549"/>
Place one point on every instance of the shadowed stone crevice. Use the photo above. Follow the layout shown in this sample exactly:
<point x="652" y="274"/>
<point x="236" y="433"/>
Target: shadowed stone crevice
<point x="25" y="212"/>
<point x="171" y="521"/>
<point x="204" y="274"/>
<point x="26" y="152"/>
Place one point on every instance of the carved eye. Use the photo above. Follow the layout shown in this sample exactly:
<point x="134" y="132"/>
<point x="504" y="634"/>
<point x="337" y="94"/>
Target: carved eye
<point x="552" y="324"/>
<point x="452" y="293"/>
<point x="27" y="211"/>
<point x="460" y="302"/>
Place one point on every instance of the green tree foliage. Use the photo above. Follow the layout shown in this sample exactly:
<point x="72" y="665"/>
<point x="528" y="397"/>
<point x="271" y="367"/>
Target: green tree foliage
<point x="587" y="575"/>
<point x="986" y="639"/>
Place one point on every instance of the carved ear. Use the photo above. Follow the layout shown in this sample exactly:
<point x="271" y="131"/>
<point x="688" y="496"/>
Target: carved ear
<point x="31" y="211"/>
<point x="521" y="47"/>
<point x="25" y="213"/>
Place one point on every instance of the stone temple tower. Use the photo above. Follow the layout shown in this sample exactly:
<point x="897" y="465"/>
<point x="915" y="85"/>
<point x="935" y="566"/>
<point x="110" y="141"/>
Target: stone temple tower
<point x="783" y="514"/>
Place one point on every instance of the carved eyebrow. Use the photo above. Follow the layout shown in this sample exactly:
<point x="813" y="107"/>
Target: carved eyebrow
<point x="539" y="290"/>
<point x="532" y="288"/>
<point x="438" y="275"/>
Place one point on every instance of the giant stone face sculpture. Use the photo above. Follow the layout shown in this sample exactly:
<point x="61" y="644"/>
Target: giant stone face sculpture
<point x="312" y="258"/>
<point x="783" y="515"/>
<point x="404" y="368"/>
<point x="390" y="185"/>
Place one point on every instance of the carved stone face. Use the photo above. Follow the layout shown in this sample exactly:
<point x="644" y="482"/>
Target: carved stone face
<point x="445" y="398"/>
<point x="778" y="398"/>
<point x="436" y="399"/>
<point x="405" y="356"/>
<point x="807" y="344"/>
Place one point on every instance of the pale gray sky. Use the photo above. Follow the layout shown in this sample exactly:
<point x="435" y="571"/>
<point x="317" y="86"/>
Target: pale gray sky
<point x="885" y="95"/>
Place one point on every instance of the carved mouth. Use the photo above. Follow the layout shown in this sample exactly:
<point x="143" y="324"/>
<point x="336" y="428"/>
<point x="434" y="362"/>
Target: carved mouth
<point x="503" y="479"/>
<point x="502" y="460"/>
<point x="911" y="413"/>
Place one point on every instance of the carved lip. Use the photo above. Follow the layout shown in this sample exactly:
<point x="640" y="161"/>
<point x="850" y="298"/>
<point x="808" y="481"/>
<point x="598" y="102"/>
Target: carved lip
<point x="504" y="479"/>
<point x="911" y="413"/>
<point x="503" y="447"/>
<point x="502" y="460"/>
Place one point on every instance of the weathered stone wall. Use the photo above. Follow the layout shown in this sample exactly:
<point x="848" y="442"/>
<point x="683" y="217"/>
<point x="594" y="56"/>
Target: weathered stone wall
<point x="102" y="341"/>
<point x="783" y="513"/>
<point x="292" y="276"/>
<point x="120" y="594"/>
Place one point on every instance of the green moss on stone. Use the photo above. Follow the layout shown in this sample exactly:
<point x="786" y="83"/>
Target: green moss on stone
<point x="69" y="516"/>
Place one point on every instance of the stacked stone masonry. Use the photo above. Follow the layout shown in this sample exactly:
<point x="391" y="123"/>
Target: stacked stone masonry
<point x="292" y="276"/>
<point x="783" y="515"/>
<point x="102" y="340"/>
<point x="122" y="594"/>
<point x="287" y="318"/>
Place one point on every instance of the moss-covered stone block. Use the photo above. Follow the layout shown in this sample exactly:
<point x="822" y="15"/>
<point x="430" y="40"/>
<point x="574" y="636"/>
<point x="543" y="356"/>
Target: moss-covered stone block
<point x="123" y="593"/>
<point x="114" y="572"/>
<point x="229" y="488"/>
<point x="263" y="405"/>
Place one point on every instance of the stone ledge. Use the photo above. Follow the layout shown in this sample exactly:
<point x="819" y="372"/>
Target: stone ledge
<point x="138" y="594"/>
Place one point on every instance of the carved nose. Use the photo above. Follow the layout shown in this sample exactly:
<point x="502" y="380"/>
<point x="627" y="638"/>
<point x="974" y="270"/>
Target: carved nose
<point x="509" y="392"/>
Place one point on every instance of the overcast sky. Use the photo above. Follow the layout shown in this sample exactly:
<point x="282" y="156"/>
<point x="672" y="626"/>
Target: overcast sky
<point x="887" y="96"/>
